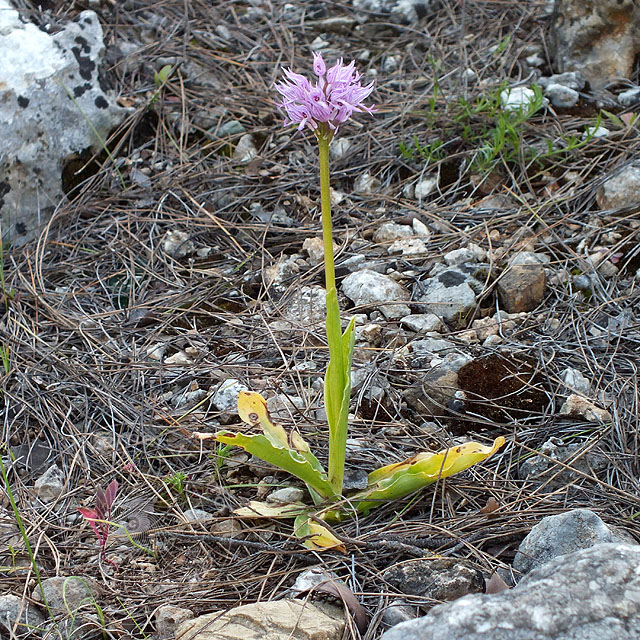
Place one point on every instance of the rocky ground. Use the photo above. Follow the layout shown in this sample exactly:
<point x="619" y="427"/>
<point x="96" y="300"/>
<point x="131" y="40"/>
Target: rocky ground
<point x="487" y="241"/>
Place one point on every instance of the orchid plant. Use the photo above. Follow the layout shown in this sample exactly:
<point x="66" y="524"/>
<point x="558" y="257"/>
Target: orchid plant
<point x="322" y="106"/>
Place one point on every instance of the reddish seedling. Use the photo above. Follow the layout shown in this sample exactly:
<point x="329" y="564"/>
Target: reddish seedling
<point x="100" y="517"/>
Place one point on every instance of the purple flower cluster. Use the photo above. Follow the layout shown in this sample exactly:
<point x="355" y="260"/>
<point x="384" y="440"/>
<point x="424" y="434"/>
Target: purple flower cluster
<point x="336" y="95"/>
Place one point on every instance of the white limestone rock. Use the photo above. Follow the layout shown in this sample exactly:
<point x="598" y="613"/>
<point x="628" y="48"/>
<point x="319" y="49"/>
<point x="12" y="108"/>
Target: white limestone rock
<point x="54" y="105"/>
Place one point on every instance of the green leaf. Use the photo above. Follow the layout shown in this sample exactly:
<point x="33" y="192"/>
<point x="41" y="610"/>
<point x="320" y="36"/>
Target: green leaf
<point x="302" y="464"/>
<point x="160" y="77"/>
<point x="337" y="388"/>
<point x="334" y="378"/>
<point x="398" y="480"/>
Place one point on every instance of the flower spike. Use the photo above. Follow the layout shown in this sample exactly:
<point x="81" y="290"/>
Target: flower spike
<point x="331" y="100"/>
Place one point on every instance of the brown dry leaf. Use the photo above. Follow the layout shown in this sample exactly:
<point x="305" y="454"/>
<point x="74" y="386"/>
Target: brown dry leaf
<point x="491" y="506"/>
<point x="343" y="593"/>
<point x="627" y="117"/>
<point x="495" y="584"/>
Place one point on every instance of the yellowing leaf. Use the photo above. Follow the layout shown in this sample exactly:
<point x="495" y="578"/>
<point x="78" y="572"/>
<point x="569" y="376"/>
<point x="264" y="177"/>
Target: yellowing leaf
<point x="317" y="537"/>
<point x="252" y="409"/>
<point x="298" y="442"/>
<point x="399" y="480"/>
<point x="257" y="509"/>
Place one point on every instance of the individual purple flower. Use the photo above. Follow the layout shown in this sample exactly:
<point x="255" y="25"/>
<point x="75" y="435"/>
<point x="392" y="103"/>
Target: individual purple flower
<point x="337" y="94"/>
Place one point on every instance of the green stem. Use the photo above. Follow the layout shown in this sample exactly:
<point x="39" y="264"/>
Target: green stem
<point x="324" y="139"/>
<point x="335" y="380"/>
<point x="25" y="537"/>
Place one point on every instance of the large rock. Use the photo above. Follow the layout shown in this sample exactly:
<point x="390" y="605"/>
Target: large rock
<point x="15" y="610"/>
<point x="276" y="620"/>
<point x="53" y="106"/>
<point x="521" y="287"/>
<point x="562" y="534"/>
<point x="622" y="189"/>
<point x="367" y="287"/>
<point x="435" y="578"/>
<point x="599" y="38"/>
<point x="592" y="594"/>
<point x="66" y="594"/>
<point x="450" y="294"/>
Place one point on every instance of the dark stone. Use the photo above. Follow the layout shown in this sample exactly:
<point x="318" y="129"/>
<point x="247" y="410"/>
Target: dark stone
<point x="81" y="89"/>
<point x="451" y="278"/>
<point x="85" y="64"/>
<point x="435" y="578"/>
<point x="23" y="102"/>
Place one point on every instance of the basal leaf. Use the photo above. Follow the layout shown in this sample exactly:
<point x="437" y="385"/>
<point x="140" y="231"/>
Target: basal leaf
<point x="317" y="537"/>
<point x="257" y="509"/>
<point x="399" y="480"/>
<point x="252" y="409"/>
<point x="302" y="464"/>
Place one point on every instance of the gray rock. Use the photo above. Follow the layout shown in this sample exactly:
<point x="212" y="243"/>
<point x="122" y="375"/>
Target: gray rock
<point x="408" y="247"/>
<point x="274" y="620"/>
<point x="422" y="322"/>
<point x="410" y="11"/>
<point x="168" y="618"/>
<point x="339" y="148"/>
<point x="245" y="151"/>
<point x="562" y="96"/>
<point x="593" y="594"/>
<point x="449" y="294"/>
<point x="573" y="379"/>
<point x="225" y="397"/>
<point x="390" y="231"/>
<point x="425" y="187"/>
<point x="311" y="578"/>
<point x="50" y="484"/>
<point x="30" y="619"/>
<point x="286" y="495"/>
<point x="562" y="534"/>
<point x="570" y="79"/>
<point x="517" y="98"/>
<point x="460" y="256"/>
<point x="229" y="128"/>
<point x="369" y="287"/>
<point x="595" y="132"/>
<point x="306" y="307"/>
<point x="426" y="348"/>
<point x="197" y="515"/>
<point x="52" y="108"/>
<point x="66" y="594"/>
<point x="398" y="611"/>
<point x="629" y="97"/>
<point x="544" y="469"/>
<point x="435" y="578"/>
<point x="528" y="258"/>
<point x="435" y="389"/>
<point x="366" y="183"/>
<point x="178" y="244"/>
<point x="582" y="282"/>
<point x="283" y="406"/>
<point x="621" y="190"/>
<point x="598" y="38"/>
<point x="402" y="11"/>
